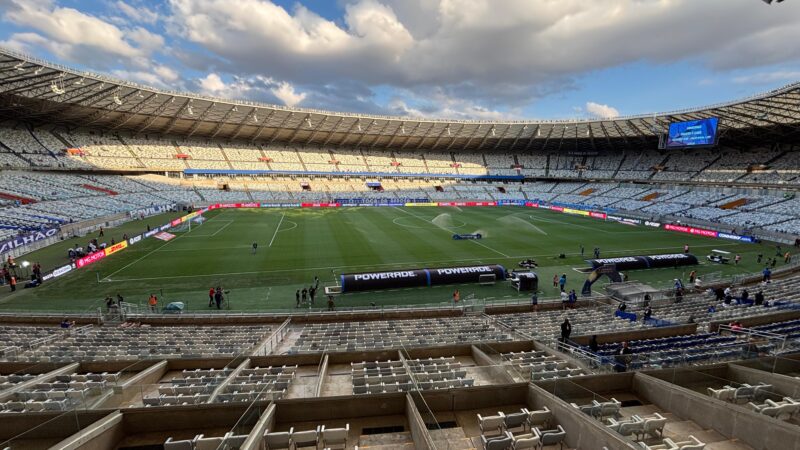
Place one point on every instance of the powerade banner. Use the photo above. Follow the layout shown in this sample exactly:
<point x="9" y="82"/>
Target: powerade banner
<point x="21" y="241"/>
<point x="384" y="280"/>
<point x="693" y="133"/>
<point x="646" y="262"/>
<point x="372" y="281"/>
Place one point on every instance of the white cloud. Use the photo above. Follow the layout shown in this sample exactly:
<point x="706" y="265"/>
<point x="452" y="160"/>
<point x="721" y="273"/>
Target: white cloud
<point x="601" y="111"/>
<point x="212" y="84"/>
<point x="158" y="76"/>
<point x="286" y="93"/>
<point x="77" y="36"/>
<point x="138" y="13"/>
<point x="490" y="52"/>
<point x="460" y="58"/>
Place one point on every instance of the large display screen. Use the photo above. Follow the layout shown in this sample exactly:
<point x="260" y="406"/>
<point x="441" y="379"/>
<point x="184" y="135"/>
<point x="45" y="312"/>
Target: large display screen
<point x="695" y="133"/>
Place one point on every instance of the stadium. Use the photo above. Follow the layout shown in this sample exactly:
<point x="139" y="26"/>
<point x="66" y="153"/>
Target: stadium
<point x="190" y="272"/>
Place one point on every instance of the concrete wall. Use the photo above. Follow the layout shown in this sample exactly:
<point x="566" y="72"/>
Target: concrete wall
<point x="417" y="427"/>
<point x="758" y="431"/>
<point x="101" y="435"/>
<point x="582" y="430"/>
<point x="633" y="335"/>
<point x="748" y="322"/>
<point x="581" y="387"/>
<point x="338" y="408"/>
<point x="782" y="384"/>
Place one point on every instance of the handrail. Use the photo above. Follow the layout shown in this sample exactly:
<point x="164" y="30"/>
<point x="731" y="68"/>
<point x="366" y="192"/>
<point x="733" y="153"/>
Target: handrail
<point x="750" y="332"/>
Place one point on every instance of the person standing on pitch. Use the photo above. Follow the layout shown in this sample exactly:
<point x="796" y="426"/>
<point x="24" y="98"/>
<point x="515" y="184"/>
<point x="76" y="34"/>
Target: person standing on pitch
<point x="582" y="249"/>
<point x="255" y="247"/>
<point x="211" y="297"/>
<point x="297" y="298"/>
<point x="218" y="297"/>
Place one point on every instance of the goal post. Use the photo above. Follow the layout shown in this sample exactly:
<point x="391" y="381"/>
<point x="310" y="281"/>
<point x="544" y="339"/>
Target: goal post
<point x="187" y="225"/>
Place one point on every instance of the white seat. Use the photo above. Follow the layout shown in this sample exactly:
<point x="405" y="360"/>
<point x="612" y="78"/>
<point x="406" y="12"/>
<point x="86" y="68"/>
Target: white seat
<point x="334" y="436"/>
<point x="279" y="440"/>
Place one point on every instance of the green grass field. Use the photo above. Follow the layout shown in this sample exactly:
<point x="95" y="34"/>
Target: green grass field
<point x="297" y="244"/>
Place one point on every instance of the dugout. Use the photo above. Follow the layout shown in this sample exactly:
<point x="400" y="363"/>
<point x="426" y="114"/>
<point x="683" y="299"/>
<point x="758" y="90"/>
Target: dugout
<point x="646" y="262"/>
<point x="373" y="281"/>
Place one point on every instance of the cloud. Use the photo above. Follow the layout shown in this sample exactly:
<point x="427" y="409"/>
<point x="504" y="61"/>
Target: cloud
<point x="601" y="111"/>
<point x="768" y="77"/>
<point x="455" y="58"/>
<point x="75" y="33"/>
<point x="138" y="13"/>
<point x="286" y="93"/>
<point x="158" y="76"/>
<point x="507" y="53"/>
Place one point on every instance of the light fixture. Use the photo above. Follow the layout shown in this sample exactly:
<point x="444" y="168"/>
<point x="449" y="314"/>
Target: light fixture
<point x="25" y="263"/>
<point x="117" y="100"/>
<point x="189" y="110"/>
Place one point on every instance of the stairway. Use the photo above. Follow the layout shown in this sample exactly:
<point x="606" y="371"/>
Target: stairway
<point x="133" y="154"/>
<point x="224" y="155"/>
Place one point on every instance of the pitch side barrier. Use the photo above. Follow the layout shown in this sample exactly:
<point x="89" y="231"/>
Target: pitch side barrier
<point x="561" y="208"/>
<point x="645" y="262"/>
<point x="373" y="281"/>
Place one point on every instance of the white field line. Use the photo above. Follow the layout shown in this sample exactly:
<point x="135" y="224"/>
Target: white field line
<point x="475" y="241"/>
<point x="307" y="269"/>
<point x="276" y="230"/>
<point x="107" y="278"/>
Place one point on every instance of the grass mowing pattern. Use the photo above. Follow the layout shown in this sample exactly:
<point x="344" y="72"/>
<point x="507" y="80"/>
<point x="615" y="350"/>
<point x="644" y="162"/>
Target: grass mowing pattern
<point x="294" y="245"/>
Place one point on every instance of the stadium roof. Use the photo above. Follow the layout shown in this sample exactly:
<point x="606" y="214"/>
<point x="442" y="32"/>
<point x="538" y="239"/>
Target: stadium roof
<point x="41" y="93"/>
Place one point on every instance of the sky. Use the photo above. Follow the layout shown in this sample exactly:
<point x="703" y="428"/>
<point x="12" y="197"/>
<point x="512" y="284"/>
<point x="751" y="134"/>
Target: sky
<point x="454" y="59"/>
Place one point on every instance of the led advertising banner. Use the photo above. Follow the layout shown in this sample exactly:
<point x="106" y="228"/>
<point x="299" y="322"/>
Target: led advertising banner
<point x="91" y="259"/>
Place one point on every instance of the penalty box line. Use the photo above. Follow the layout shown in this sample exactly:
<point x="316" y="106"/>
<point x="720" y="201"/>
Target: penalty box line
<point x="108" y="277"/>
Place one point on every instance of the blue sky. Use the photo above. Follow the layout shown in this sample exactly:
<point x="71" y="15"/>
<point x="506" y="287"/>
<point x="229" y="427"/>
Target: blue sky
<point x="460" y="59"/>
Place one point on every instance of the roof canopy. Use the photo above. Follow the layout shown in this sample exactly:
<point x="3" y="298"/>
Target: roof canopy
<point x="43" y="93"/>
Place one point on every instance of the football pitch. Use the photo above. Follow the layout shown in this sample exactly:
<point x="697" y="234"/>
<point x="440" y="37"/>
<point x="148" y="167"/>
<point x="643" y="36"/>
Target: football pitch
<point x="295" y="245"/>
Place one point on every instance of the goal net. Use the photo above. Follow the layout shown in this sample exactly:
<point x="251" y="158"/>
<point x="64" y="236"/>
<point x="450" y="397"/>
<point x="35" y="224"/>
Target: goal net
<point x="187" y="226"/>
